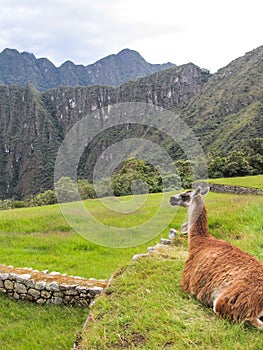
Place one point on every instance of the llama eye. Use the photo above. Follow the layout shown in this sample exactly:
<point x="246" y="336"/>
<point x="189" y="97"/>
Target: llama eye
<point x="261" y="318"/>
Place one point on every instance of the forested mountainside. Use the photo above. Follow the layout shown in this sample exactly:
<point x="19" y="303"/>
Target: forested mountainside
<point x="223" y="110"/>
<point x="24" y="68"/>
<point x="229" y="107"/>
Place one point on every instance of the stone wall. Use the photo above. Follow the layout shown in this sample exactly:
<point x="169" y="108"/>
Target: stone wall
<point x="48" y="288"/>
<point x="230" y="189"/>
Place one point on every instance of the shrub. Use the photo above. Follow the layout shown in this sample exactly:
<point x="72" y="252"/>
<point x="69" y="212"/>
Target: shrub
<point x="45" y="198"/>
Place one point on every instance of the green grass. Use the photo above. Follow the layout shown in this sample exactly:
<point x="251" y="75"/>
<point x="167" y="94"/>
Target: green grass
<point x="145" y="308"/>
<point x="24" y="326"/>
<point x="149" y="310"/>
<point x="246" y="181"/>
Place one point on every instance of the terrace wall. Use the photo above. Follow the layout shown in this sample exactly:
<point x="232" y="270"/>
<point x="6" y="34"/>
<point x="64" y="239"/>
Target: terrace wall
<point x="231" y="189"/>
<point x="48" y="288"/>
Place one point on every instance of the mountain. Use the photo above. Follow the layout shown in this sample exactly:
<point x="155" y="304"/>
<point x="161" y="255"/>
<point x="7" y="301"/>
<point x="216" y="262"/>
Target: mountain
<point x="24" y="68"/>
<point x="229" y="107"/>
<point x="33" y="124"/>
<point x="222" y="109"/>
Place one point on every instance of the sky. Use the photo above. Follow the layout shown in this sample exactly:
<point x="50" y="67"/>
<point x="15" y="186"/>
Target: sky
<point x="208" y="33"/>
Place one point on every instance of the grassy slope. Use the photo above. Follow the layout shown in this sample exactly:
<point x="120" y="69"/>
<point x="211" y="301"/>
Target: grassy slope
<point x="145" y="307"/>
<point x="41" y="238"/>
<point x="246" y="181"/>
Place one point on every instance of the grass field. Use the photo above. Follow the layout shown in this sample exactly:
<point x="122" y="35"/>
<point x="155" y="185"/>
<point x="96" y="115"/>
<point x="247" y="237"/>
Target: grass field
<point x="246" y="181"/>
<point x="146" y="309"/>
<point x="42" y="239"/>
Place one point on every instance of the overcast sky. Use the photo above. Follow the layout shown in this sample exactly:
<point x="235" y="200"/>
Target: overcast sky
<point x="207" y="33"/>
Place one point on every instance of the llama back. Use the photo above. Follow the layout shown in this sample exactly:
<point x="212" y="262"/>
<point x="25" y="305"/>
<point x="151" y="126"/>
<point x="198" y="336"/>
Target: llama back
<point x="213" y="265"/>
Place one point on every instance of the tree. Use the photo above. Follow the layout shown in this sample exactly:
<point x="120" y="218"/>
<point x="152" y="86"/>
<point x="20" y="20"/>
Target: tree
<point x="86" y="189"/>
<point x="45" y="198"/>
<point x="237" y="165"/>
<point x="185" y="171"/>
<point x="66" y="190"/>
<point x="136" y="176"/>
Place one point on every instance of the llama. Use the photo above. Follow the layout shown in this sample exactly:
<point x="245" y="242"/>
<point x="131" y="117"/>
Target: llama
<point x="218" y="274"/>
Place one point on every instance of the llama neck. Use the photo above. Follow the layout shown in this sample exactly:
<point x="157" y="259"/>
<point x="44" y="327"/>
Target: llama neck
<point x="197" y="219"/>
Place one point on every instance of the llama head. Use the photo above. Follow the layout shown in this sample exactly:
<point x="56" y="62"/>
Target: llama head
<point x="185" y="199"/>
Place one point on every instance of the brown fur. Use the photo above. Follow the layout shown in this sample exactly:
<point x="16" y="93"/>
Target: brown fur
<point x="217" y="273"/>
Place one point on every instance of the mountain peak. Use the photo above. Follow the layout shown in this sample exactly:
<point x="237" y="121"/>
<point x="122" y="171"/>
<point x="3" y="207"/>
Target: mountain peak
<point x="113" y="70"/>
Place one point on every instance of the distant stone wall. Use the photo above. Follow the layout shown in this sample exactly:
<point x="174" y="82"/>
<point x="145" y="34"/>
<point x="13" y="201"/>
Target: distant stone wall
<point x="230" y="189"/>
<point x="48" y="288"/>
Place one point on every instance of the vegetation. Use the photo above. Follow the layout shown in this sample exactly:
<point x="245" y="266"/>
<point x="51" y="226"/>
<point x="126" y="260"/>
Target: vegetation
<point x="246" y="181"/>
<point x="143" y="177"/>
<point x="154" y="311"/>
<point x="24" y="326"/>
<point x="220" y="119"/>
<point x="248" y="160"/>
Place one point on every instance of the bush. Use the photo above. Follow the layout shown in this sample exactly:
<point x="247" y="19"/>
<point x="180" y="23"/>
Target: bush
<point x="66" y="190"/>
<point x="136" y="176"/>
<point x="86" y="189"/>
<point x="45" y="198"/>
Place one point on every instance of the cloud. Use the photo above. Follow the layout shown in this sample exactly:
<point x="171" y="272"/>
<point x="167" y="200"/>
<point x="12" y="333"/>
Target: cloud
<point x="84" y="31"/>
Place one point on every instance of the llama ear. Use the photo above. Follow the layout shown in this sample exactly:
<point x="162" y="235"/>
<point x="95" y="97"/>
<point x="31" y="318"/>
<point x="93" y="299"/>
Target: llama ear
<point x="205" y="190"/>
<point x="201" y="190"/>
<point x="197" y="191"/>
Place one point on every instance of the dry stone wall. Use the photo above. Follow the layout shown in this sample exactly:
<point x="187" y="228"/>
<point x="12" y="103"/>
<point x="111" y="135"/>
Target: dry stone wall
<point x="48" y="288"/>
<point x="230" y="189"/>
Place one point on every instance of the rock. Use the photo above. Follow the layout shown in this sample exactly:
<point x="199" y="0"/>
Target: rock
<point x="56" y="301"/>
<point x="172" y="233"/>
<point x="165" y="241"/>
<point x="16" y="296"/>
<point x="55" y="273"/>
<point x="22" y="277"/>
<point x="41" y="301"/>
<point x="8" y="284"/>
<point x="54" y="286"/>
<point x="4" y="276"/>
<point x="137" y="256"/>
<point x="151" y="249"/>
<point x="12" y="276"/>
<point x="72" y="291"/>
<point x="45" y="294"/>
<point x="96" y="290"/>
<point x="20" y="288"/>
<point x="34" y="293"/>
<point x="30" y="284"/>
<point x="40" y="285"/>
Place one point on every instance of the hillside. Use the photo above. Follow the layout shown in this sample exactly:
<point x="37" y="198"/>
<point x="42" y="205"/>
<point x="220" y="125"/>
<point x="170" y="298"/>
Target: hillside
<point x="33" y="124"/>
<point x="145" y="308"/>
<point x="24" y="68"/>
<point x="229" y="107"/>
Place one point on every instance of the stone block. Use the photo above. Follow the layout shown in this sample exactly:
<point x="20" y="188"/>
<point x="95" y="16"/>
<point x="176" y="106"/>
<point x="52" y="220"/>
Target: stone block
<point x="53" y="286"/>
<point x="30" y="284"/>
<point x="41" y="301"/>
<point x="4" y="276"/>
<point x="20" y="288"/>
<point x="34" y="293"/>
<point x="22" y="277"/>
<point x="40" y="285"/>
<point x="56" y="301"/>
<point x="45" y="294"/>
<point x="9" y="284"/>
